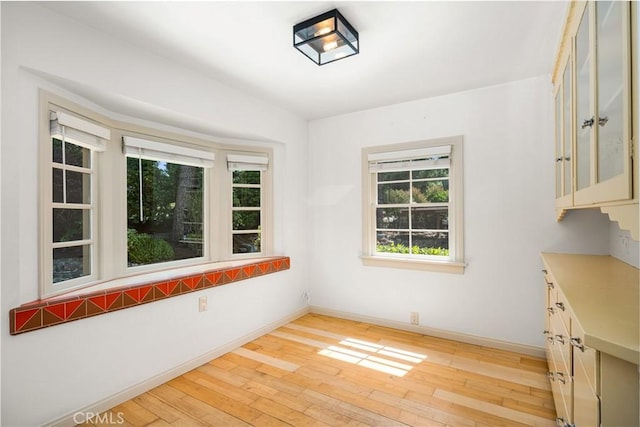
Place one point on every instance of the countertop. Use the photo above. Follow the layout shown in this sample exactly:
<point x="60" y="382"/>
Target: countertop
<point x="604" y="295"/>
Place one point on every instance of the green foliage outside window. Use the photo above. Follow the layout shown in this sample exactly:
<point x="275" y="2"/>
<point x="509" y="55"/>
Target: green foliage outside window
<point x="399" y="248"/>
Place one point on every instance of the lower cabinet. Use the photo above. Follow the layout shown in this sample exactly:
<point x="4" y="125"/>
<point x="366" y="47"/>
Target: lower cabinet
<point x="590" y="388"/>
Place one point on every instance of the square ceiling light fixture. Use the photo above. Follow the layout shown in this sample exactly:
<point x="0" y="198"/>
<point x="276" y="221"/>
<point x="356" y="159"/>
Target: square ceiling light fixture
<point x="326" y="38"/>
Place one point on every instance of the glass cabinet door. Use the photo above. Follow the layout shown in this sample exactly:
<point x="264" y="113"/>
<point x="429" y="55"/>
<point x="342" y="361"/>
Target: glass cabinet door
<point x="584" y="118"/>
<point x="610" y="52"/>
<point x="566" y="125"/>
<point x="559" y="157"/>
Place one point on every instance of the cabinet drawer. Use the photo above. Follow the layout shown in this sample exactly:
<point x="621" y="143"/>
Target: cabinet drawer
<point x="562" y="308"/>
<point x="561" y="346"/>
<point x="561" y="393"/>
<point x="585" y="359"/>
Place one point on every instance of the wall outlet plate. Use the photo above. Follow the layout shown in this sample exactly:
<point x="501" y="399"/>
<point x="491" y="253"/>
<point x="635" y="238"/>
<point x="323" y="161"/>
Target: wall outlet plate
<point x="414" y="318"/>
<point x="202" y="303"/>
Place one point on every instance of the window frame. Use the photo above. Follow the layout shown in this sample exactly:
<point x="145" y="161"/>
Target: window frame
<point x="454" y="263"/>
<point x="49" y="205"/>
<point x="206" y="214"/>
<point x="109" y="196"/>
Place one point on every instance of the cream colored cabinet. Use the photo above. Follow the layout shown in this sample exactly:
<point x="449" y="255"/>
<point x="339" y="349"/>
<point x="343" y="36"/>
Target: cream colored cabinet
<point x="594" y="370"/>
<point x="593" y="104"/>
<point x="564" y="146"/>
<point x="603" y="103"/>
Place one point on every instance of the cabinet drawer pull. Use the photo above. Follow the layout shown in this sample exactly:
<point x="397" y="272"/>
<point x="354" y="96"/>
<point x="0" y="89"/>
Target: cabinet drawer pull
<point x="567" y="158"/>
<point x="559" y="338"/>
<point x="603" y="121"/>
<point x="587" y="123"/>
<point x="559" y="159"/>
<point x="561" y="422"/>
<point x="551" y="376"/>
<point x="551" y="310"/>
<point x="560" y="305"/>
<point x="560" y="377"/>
<point x="577" y="342"/>
<point x="551" y="339"/>
<point x="550" y="285"/>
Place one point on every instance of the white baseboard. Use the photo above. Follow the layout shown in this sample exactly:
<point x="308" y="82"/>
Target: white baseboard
<point x="135" y="390"/>
<point x="439" y="333"/>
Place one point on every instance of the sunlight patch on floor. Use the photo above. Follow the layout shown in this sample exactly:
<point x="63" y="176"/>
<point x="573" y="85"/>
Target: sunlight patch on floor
<point x="377" y="363"/>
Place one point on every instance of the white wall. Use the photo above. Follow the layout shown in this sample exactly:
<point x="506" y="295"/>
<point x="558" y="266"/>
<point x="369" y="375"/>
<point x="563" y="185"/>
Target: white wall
<point x="509" y="213"/>
<point x="622" y="246"/>
<point x="55" y="371"/>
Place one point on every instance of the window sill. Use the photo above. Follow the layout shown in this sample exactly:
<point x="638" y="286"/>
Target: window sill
<point x="136" y="291"/>
<point x="414" y="264"/>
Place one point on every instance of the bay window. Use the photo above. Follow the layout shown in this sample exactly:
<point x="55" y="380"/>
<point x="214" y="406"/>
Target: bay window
<point x="119" y="200"/>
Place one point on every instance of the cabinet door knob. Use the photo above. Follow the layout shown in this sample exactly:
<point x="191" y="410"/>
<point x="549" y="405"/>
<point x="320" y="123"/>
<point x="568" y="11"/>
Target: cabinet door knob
<point x="587" y="123"/>
<point x="577" y="343"/>
<point x="551" y="310"/>
<point x="559" y="159"/>
<point x="550" y="285"/>
<point x="567" y="158"/>
<point x="560" y="377"/>
<point x="560" y="338"/>
<point x="551" y="376"/>
<point x="603" y="121"/>
<point x="560" y="306"/>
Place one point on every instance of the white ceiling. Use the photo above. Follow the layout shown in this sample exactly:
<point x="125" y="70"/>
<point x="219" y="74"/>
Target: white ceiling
<point x="409" y="50"/>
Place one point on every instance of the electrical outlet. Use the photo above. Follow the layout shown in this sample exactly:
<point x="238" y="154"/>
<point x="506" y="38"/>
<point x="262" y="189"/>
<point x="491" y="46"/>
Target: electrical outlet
<point x="202" y="303"/>
<point x="414" y="318"/>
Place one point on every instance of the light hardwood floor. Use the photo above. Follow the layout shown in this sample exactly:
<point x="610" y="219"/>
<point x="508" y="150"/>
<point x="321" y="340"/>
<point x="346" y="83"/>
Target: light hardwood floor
<point x="321" y="370"/>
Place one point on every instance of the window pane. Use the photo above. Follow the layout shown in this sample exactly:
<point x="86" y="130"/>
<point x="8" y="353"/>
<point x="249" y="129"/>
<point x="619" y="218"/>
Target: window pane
<point x="393" y="193"/>
<point x="393" y="176"/>
<point x="71" y="224"/>
<point x="246" y="220"/>
<point x="430" y="243"/>
<point x="430" y="191"/>
<point x="392" y="242"/>
<point x="246" y="177"/>
<point x="169" y="225"/>
<point x="430" y="173"/>
<point x="76" y="155"/>
<point x="71" y="263"/>
<point x="57" y="150"/>
<point x="394" y="218"/>
<point x="246" y="197"/>
<point x="58" y="192"/>
<point x="246" y="243"/>
<point x="78" y="187"/>
<point x="429" y="218"/>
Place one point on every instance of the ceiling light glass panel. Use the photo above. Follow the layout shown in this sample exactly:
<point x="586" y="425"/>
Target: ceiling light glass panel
<point x="326" y="38"/>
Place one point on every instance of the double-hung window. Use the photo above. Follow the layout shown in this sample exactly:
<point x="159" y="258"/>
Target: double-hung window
<point x="247" y="205"/>
<point x="413" y="204"/>
<point x="69" y="236"/>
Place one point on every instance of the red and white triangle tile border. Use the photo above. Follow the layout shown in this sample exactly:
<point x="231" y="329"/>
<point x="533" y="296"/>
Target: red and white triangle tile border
<point x="45" y="313"/>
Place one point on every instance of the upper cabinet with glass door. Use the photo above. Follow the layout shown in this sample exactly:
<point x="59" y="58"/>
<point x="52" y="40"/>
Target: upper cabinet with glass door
<point x="593" y="104"/>
<point x="603" y="104"/>
<point x="564" y="145"/>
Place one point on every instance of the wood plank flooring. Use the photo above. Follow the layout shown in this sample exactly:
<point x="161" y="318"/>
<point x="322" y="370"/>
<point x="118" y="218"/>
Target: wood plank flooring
<point x="324" y="371"/>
